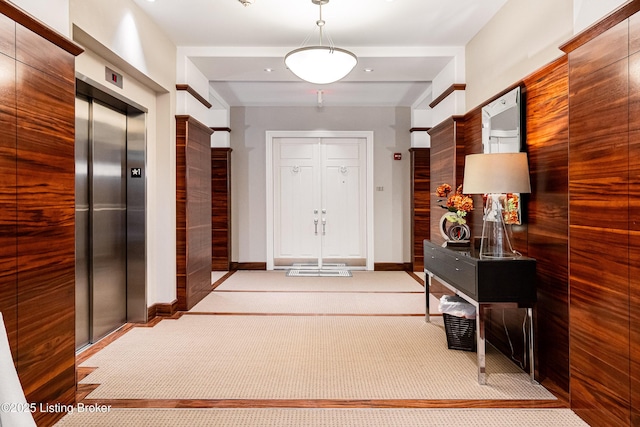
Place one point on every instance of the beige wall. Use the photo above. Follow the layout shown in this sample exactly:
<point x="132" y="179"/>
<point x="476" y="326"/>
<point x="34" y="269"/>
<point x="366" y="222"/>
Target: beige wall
<point x="123" y="28"/>
<point x="117" y="34"/>
<point x="586" y="12"/>
<point x="248" y="168"/>
<point x="55" y="13"/>
<point x="522" y="37"/>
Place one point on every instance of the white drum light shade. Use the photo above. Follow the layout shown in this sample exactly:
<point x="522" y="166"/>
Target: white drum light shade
<point x="496" y="173"/>
<point x="320" y="64"/>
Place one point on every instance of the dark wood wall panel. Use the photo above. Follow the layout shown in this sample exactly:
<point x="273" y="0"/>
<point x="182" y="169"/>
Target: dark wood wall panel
<point x="7" y="36"/>
<point x="634" y="216"/>
<point x="8" y="164"/>
<point x="8" y="239"/>
<point x="599" y="228"/>
<point x="46" y="234"/>
<point x="181" y="211"/>
<point x="599" y="334"/>
<point x="37" y="193"/>
<point x="447" y="165"/>
<point x="8" y="212"/>
<point x="193" y="211"/>
<point x="420" y="204"/>
<point x="545" y="228"/>
<point x="496" y="320"/>
<point x="634" y="299"/>
<point x="40" y="53"/>
<point x="473" y="145"/>
<point x="582" y="219"/>
<point x="220" y="209"/>
<point x="547" y="143"/>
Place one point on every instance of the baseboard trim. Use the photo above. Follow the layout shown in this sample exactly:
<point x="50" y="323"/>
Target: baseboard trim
<point x="392" y="266"/>
<point x="162" y="310"/>
<point x="378" y="266"/>
<point x="248" y="266"/>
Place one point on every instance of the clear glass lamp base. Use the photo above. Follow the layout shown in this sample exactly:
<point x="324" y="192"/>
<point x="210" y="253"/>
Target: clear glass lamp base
<point x="495" y="243"/>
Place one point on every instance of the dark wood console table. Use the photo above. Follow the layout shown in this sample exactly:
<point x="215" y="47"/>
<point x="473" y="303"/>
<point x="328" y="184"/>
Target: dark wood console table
<point x="485" y="283"/>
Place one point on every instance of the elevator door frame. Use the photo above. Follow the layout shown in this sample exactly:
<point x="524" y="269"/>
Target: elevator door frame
<point x="136" y="292"/>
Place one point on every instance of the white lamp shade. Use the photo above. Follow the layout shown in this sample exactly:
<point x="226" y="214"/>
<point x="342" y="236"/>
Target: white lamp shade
<point x="496" y="173"/>
<point x="320" y="64"/>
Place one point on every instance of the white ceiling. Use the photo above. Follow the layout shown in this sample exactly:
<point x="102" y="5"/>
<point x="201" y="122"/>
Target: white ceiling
<point x="405" y="42"/>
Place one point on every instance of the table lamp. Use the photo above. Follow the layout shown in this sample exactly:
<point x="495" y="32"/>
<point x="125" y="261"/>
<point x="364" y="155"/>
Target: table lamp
<point x="496" y="174"/>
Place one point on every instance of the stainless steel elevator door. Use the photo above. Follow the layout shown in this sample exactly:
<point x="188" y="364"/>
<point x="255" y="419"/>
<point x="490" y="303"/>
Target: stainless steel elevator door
<point x="101" y="221"/>
<point x="108" y="220"/>
<point x="83" y="245"/>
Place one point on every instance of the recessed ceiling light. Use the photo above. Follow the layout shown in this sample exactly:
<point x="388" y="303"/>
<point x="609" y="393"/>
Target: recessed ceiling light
<point x="368" y="70"/>
<point x="268" y="70"/>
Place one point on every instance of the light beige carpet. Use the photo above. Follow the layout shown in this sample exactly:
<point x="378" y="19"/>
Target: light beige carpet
<point x="326" y="418"/>
<point x="306" y="356"/>
<point x="312" y="302"/>
<point x="217" y="275"/>
<point x="299" y="357"/>
<point x="369" y="281"/>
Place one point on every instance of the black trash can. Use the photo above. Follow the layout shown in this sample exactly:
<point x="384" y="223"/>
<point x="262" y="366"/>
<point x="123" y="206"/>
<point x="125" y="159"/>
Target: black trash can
<point x="459" y="323"/>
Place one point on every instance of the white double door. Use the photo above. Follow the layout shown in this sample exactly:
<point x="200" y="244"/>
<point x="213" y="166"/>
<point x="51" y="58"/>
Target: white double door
<point x="319" y="202"/>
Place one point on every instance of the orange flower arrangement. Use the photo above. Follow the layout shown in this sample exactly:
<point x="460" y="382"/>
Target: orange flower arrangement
<point x="457" y="203"/>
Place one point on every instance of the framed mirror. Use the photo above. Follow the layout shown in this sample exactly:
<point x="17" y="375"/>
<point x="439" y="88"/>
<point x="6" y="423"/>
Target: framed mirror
<point x="502" y="132"/>
<point x="501" y="127"/>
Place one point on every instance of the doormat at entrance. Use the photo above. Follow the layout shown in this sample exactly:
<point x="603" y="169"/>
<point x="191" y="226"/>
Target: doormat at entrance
<point x="318" y="273"/>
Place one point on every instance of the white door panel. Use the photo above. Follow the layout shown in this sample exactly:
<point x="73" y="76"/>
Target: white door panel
<point x="319" y="201"/>
<point x="343" y="198"/>
<point x="295" y="198"/>
<point x="341" y="149"/>
<point x="295" y="207"/>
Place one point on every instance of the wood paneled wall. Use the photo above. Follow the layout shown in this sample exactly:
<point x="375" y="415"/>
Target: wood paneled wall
<point x="634" y="217"/>
<point x="582" y="136"/>
<point x="447" y="165"/>
<point x="8" y="184"/>
<point x="37" y="219"/>
<point x="600" y="218"/>
<point x="420" y="204"/>
<point x="46" y="219"/>
<point x="193" y="211"/>
<point x="544" y="233"/>
<point x="547" y="215"/>
<point x="583" y="218"/>
<point x="496" y="320"/>
<point x="220" y="209"/>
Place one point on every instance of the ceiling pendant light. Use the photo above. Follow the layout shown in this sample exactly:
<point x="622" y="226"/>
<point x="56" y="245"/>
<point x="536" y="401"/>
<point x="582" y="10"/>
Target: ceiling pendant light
<point x="320" y="64"/>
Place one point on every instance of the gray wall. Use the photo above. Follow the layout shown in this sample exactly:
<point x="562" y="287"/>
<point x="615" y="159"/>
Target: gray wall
<point x="248" y="168"/>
